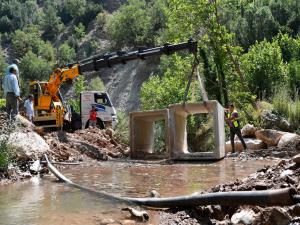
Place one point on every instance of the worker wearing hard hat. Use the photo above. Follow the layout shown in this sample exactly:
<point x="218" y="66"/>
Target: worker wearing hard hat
<point x="232" y="120"/>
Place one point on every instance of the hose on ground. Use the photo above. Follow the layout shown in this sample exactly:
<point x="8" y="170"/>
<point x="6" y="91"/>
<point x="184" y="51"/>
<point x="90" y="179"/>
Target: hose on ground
<point x="277" y="197"/>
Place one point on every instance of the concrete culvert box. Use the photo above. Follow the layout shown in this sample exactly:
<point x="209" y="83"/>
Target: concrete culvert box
<point x="178" y="130"/>
<point x="142" y="134"/>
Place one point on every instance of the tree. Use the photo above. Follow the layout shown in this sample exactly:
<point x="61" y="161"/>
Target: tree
<point x="137" y="23"/>
<point x="79" y="86"/>
<point x="47" y="52"/>
<point x="28" y="39"/>
<point x="66" y="54"/>
<point x="290" y="47"/>
<point x="34" y="67"/>
<point x="79" y="31"/>
<point x="264" y="68"/>
<point x="75" y="8"/>
<point x="3" y="66"/>
<point x="160" y="91"/>
<point x="51" y="23"/>
<point x="96" y="84"/>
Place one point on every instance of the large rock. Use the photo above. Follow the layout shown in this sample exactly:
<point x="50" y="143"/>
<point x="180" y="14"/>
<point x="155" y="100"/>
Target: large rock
<point x="288" y="139"/>
<point x="253" y="144"/>
<point x="28" y="145"/>
<point x="245" y="216"/>
<point x="273" y="121"/>
<point x="270" y="137"/>
<point x="248" y="130"/>
<point x="24" y="122"/>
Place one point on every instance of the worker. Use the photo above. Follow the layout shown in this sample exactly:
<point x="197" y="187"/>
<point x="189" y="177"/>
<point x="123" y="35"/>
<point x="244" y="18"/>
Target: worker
<point x="29" y="108"/>
<point x="12" y="93"/>
<point x="232" y="120"/>
<point x="14" y="64"/>
<point x="93" y="117"/>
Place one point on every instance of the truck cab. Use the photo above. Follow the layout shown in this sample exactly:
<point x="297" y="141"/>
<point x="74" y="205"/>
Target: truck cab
<point x="106" y="113"/>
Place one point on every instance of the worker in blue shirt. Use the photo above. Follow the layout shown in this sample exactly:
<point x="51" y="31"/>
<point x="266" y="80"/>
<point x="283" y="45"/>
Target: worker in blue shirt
<point x="12" y="93"/>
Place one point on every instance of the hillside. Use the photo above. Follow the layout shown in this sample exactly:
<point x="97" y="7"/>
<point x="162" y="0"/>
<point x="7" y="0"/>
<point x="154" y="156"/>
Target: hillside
<point x="78" y="38"/>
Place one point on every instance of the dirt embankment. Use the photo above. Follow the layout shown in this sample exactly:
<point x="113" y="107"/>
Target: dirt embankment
<point x="93" y="143"/>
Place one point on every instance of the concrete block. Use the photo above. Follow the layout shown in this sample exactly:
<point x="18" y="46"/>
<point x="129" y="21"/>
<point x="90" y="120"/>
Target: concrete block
<point x="178" y="132"/>
<point x="175" y="117"/>
<point x="142" y="133"/>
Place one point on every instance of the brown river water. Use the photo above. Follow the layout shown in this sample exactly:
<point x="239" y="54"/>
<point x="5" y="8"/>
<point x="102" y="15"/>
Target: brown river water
<point x="42" y="201"/>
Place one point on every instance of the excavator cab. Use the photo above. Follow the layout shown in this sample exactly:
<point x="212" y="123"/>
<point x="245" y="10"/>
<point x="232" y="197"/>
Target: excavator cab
<point x="47" y="112"/>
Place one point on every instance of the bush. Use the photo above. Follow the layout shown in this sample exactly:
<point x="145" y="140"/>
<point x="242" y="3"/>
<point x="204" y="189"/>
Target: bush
<point x="66" y="54"/>
<point x="137" y="23"/>
<point x="264" y="68"/>
<point x="122" y="128"/>
<point x="6" y="154"/>
<point x="281" y="101"/>
<point x="2" y="103"/>
<point x="96" y="84"/>
<point x="80" y="85"/>
<point x="287" y="107"/>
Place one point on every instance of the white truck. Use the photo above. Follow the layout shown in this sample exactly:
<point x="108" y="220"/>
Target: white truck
<point x="106" y="113"/>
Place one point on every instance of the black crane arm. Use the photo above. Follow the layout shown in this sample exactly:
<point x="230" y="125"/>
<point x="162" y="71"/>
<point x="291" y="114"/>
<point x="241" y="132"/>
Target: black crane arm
<point x="108" y="60"/>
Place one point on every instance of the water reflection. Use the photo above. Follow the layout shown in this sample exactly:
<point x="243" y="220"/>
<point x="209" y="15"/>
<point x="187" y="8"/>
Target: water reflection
<point x="42" y="201"/>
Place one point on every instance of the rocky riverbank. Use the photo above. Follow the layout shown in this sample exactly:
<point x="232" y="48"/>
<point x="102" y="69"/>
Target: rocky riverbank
<point x="285" y="174"/>
<point x="26" y="143"/>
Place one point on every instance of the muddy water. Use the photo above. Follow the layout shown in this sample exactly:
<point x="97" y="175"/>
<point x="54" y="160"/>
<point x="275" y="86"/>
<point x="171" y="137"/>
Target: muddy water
<point x="44" y="201"/>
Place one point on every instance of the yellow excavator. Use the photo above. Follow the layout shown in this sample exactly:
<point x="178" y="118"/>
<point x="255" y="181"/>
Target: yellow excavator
<point x="50" y="108"/>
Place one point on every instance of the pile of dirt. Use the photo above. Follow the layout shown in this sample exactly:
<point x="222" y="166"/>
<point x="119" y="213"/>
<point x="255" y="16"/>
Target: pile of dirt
<point x="285" y="174"/>
<point x="92" y="142"/>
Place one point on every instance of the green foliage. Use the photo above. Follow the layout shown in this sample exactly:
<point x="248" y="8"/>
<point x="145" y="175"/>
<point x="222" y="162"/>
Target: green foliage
<point x="257" y="20"/>
<point x="75" y="8"/>
<point x="65" y="54"/>
<point x="6" y="154"/>
<point x="96" y="84"/>
<point x="79" y="86"/>
<point x="51" y="23"/>
<point x="294" y="75"/>
<point x="28" y="39"/>
<point x="286" y="106"/>
<point x="122" y="128"/>
<point x="290" y="47"/>
<point x="34" y="67"/>
<point x="16" y="14"/>
<point x="101" y="19"/>
<point x="2" y="103"/>
<point x="264" y="68"/>
<point x="79" y="31"/>
<point x="159" y="145"/>
<point x="160" y="91"/>
<point x="47" y="52"/>
<point x="137" y="23"/>
<point x="3" y="64"/>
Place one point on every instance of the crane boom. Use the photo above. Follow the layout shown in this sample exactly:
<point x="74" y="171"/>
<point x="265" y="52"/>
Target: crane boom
<point x="121" y="57"/>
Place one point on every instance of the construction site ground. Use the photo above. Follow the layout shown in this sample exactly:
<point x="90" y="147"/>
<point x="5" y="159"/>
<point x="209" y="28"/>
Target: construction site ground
<point x="94" y="144"/>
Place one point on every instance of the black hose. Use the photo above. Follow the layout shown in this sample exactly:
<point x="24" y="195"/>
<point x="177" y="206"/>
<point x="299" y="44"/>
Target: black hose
<point x="278" y="197"/>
